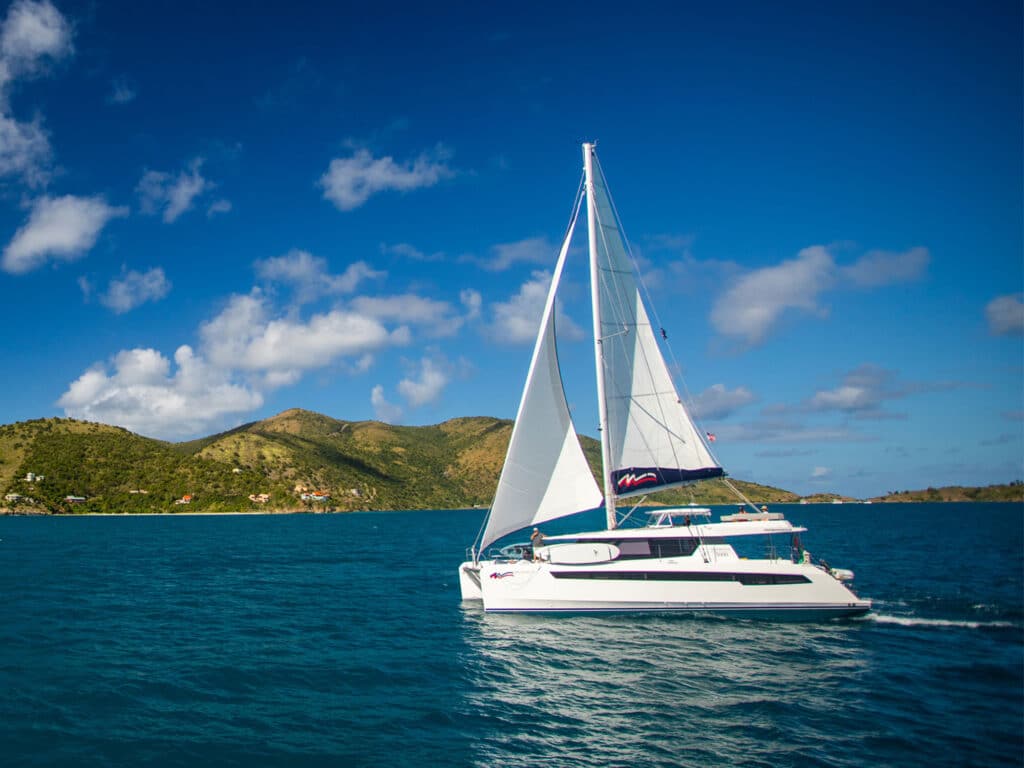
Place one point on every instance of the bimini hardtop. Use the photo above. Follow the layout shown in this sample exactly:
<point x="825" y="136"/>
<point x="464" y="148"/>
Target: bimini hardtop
<point x="679" y="560"/>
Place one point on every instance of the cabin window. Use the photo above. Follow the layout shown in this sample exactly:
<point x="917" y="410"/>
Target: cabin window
<point x="673" y="547"/>
<point x="641" y="548"/>
<point x="634" y="548"/>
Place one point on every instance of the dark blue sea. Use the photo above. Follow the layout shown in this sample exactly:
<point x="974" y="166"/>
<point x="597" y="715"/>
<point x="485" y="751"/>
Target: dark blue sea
<point x="340" y="640"/>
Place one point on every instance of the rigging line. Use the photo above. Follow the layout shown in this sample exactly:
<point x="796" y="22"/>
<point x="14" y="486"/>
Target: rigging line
<point x="738" y="492"/>
<point x="634" y="509"/>
<point x="635" y="272"/>
<point x="616" y="292"/>
<point x="572" y="223"/>
<point x="654" y="418"/>
<point x="701" y="432"/>
<point x="617" y="229"/>
<point x="638" y="280"/>
<point x="618" y="302"/>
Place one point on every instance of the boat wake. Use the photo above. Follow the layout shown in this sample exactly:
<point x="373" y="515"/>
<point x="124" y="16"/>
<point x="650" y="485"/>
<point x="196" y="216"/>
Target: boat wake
<point x="914" y="621"/>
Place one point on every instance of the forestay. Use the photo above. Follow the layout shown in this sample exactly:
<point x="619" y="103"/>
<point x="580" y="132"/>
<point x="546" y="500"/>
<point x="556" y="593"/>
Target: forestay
<point x="546" y="475"/>
<point x="651" y="441"/>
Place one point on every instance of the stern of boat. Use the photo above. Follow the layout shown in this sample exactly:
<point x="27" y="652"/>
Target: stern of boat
<point x="469" y="581"/>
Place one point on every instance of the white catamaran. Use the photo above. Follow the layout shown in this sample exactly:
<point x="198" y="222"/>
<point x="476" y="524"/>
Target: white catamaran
<point x="680" y="560"/>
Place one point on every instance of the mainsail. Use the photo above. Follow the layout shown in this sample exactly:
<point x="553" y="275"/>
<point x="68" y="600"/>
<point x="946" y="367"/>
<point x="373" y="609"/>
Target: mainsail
<point x="651" y="442"/>
<point x="546" y="475"/>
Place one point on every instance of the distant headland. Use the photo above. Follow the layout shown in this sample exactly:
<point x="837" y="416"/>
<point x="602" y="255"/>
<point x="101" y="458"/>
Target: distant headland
<point x="300" y="461"/>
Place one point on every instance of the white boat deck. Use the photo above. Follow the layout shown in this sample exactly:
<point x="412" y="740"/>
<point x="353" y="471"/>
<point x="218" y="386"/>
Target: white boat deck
<point x="728" y="529"/>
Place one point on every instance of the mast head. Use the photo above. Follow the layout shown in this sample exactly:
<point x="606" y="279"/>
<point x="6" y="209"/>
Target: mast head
<point x="588" y="156"/>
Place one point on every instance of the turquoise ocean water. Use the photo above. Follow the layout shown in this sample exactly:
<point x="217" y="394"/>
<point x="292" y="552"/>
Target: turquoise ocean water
<point x="340" y="640"/>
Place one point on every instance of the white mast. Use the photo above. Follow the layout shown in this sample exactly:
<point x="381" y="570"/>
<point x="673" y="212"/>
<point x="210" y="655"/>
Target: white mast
<point x="602" y="406"/>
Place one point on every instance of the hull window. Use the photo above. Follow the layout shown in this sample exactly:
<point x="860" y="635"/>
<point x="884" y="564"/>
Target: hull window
<point x="748" y="579"/>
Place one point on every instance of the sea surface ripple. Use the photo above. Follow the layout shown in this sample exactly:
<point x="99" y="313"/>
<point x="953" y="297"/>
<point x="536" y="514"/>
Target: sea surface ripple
<point x="340" y="640"/>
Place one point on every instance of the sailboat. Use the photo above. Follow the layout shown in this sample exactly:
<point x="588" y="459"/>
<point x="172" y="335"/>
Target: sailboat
<point x="679" y="559"/>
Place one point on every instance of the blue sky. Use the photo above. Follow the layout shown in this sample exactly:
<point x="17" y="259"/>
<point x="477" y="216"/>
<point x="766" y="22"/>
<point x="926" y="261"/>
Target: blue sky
<point x="212" y="214"/>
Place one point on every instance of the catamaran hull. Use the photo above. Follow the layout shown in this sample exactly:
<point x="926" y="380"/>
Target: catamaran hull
<point x="756" y="611"/>
<point x="662" y="587"/>
<point x="469" y="582"/>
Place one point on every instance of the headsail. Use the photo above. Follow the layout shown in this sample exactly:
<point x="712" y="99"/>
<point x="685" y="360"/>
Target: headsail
<point x="652" y="441"/>
<point x="546" y="475"/>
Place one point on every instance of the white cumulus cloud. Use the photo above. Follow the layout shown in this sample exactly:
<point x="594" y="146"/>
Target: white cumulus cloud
<point x="1005" y="315"/>
<point x="246" y="336"/>
<point x="139" y="391"/>
<point x="59" y="228"/>
<point x="472" y="301"/>
<point x="517" y="320"/>
<point x="32" y="35"/>
<point x="863" y="390"/>
<point x="427" y="384"/>
<point x="407" y="251"/>
<point x="717" y="402"/>
<point x="877" y="268"/>
<point x="170" y="194"/>
<point x="247" y="349"/>
<point x="135" y="288"/>
<point x="351" y="181"/>
<point x="385" y="411"/>
<point x="437" y="318"/>
<point x="25" y="151"/>
<point x="310" y="277"/>
<point x="755" y="304"/>
<point x="533" y="250"/>
<point x="218" y="206"/>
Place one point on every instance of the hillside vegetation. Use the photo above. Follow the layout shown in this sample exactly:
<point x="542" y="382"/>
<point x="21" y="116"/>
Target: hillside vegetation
<point x="63" y="465"/>
<point x="999" y="493"/>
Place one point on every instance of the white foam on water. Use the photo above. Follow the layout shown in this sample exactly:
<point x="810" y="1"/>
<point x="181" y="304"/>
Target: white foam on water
<point x="913" y="621"/>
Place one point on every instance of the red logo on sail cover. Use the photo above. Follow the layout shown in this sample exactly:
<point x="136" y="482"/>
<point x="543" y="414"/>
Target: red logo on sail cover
<point x="502" y="575"/>
<point x="632" y="481"/>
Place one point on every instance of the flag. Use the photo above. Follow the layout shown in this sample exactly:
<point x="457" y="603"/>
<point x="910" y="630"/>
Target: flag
<point x="711" y="437"/>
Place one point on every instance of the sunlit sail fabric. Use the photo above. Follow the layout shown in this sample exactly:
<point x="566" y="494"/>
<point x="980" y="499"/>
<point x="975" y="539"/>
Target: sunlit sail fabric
<point x="546" y="475"/>
<point x="652" y="442"/>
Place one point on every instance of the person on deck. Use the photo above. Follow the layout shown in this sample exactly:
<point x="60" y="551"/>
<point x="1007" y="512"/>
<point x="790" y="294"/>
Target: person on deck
<point x="537" y="541"/>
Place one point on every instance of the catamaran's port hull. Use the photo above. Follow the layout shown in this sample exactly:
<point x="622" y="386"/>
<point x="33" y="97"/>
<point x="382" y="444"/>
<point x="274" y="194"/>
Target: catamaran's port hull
<point x="685" y="585"/>
<point x="469" y="582"/>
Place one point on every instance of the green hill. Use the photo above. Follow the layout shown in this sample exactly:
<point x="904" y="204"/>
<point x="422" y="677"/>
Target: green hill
<point x="357" y="465"/>
<point x="999" y="493"/>
<point x="113" y="469"/>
